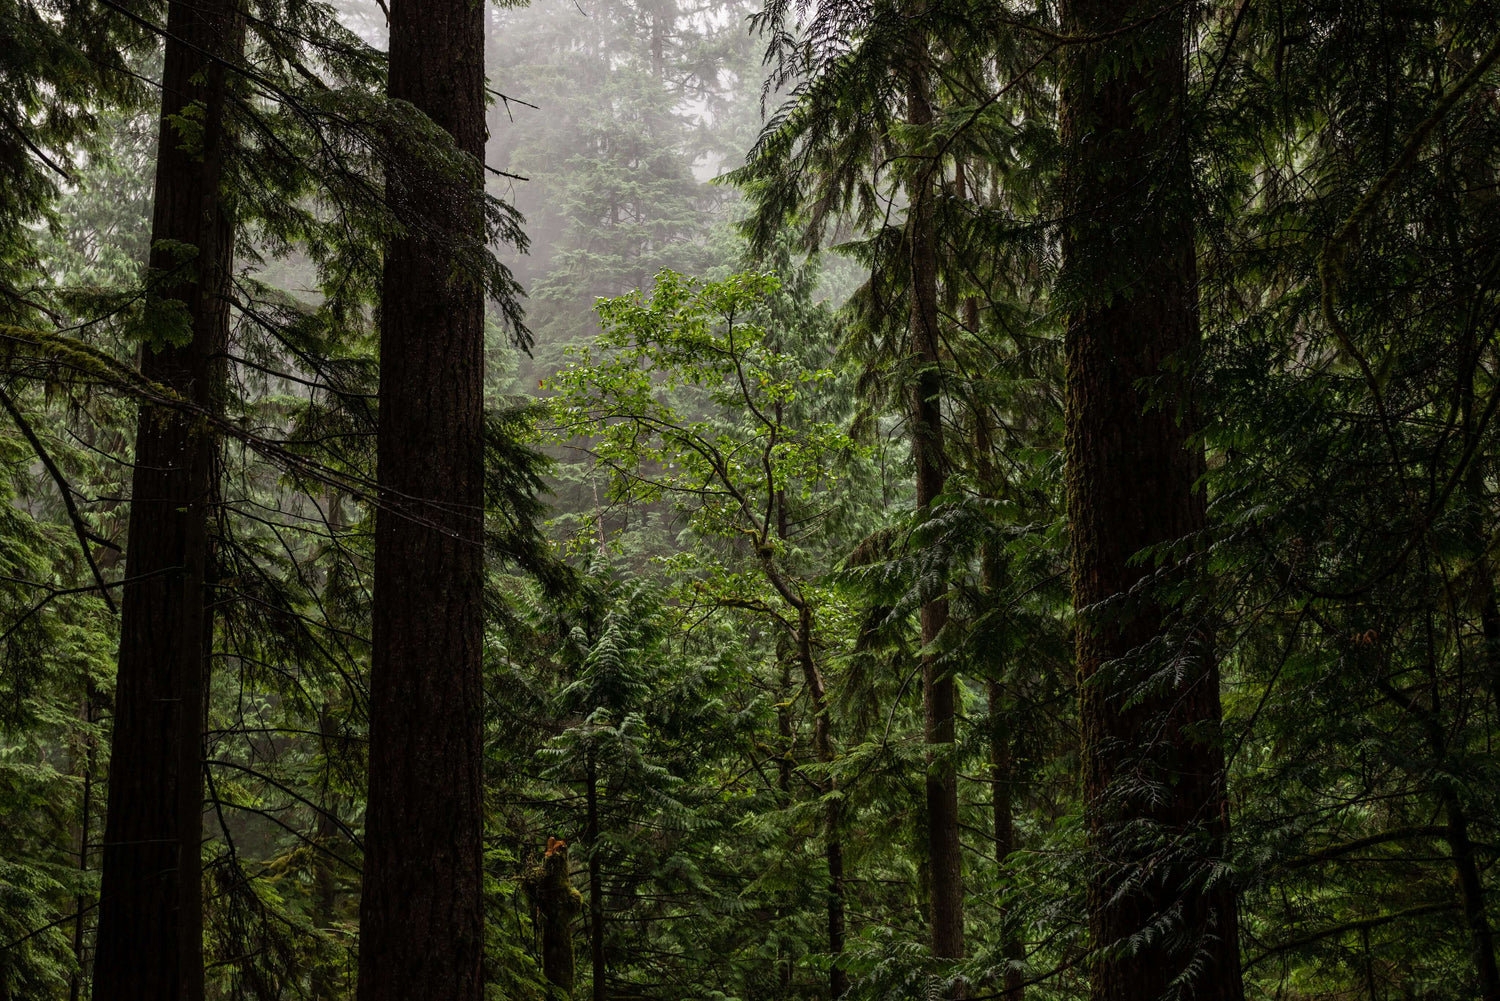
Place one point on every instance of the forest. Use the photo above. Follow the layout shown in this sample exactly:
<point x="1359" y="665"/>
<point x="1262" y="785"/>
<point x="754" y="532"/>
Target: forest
<point x="749" y="500"/>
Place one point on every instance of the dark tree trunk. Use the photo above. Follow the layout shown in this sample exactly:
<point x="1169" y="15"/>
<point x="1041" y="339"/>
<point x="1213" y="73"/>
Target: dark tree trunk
<point x="325" y="882"/>
<point x="786" y="764"/>
<point x="1152" y="757"/>
<point x="812" y="678"/>
<point x="85" y="822"/>
<point x="946" y="896"/>
<point x="1005" y="836"/>
<point x="597" y="965"/>
<point x="421" y="913"/>
<point x="1001" y="770"/>
<point x="150" y="934"/>
<point x="833" y="847"/>
<point x="1471" y="895"/>
<point x="1466" y="871"/>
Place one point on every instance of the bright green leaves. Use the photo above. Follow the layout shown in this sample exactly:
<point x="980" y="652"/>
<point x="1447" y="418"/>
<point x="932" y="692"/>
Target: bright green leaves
<point x="690" y="395"/>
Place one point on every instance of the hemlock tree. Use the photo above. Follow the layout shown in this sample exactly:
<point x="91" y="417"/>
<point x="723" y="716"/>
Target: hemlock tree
<point x="1161" y="920"/>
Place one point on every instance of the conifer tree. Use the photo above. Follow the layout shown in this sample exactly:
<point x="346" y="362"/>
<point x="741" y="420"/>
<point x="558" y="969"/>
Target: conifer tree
<point x="150" y="913"/>
<point x="421" y="918"/>
<point x="1148" y="681"/>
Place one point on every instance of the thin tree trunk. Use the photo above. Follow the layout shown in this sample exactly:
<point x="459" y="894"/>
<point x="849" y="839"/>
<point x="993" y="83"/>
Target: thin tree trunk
<point x="150" y="932"/>
<point x="596" y="886"/>
<point x="1460" y="842"/>
<point x="945" y="900"/>
<point x="1152" y="763"/>
<point x="85" y="819"/>
<point x="838" y="979"/>
<point x="1477" y="199"/>
<point x="786" y="764"/>
<point x="833" y="845"/>
<point x="1471" y="894"/>
<point x="1001" y="771"/>
<point x="421" y="913"/>
<point x="1005" y="837"/>
<point x="325" y="883"/>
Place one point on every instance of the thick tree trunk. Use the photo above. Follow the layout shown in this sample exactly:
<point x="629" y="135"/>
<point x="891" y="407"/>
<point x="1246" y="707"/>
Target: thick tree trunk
<point x="421" y="913"/>
<point x="1149" y="697"/>
<point x="946" y="898"/>
<point x="150" y="934"/>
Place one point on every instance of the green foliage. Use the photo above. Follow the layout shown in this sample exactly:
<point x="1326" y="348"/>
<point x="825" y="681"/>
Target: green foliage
<point x="728" y="475"/>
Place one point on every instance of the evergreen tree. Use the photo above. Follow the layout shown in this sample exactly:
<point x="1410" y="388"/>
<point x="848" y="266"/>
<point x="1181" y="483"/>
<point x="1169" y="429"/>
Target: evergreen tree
<point x="421" y="912"/>
<point x="150" y="902"/>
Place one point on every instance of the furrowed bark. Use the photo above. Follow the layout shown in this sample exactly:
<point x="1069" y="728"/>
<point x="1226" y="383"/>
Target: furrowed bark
<point x="1149" y="694"/>
<point x="150" y="933"/>
<point x="421" y="915"/>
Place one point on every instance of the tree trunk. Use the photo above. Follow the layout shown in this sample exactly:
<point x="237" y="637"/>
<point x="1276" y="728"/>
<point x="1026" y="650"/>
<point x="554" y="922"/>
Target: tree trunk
<point x="421" y="913"/>
<point x="786" y="764"/>
<point x="945" y="900"/>
<point x="1149" y="697"/>
<point x="596" y="886"/>
<point x="150" y="933"/>
<point x="85" y="821"/>
<point x="323" y="983"/>
<point x="1460" y="843"/>
<point x="991" y="571"/>
<point x="833" y="848"/>
<point x="1471" y="894"/>
<point x="1005" y="838"/>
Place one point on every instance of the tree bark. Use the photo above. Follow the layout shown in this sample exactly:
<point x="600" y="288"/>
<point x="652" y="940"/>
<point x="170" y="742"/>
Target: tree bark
<point x="945" y="900"/>
<point x="323" y="983"/>
<point x="1013" y="981"/>
<point x="421" y="913"/>
<point x="1471" y="895"/>
<point x="150" y="933"/>
<point x="597" y="964"/>
<point x="1149" y="693"/>
<point x="85" y="821"/>
<point x="833" y="845"/>
<point x="1002" y="773"/>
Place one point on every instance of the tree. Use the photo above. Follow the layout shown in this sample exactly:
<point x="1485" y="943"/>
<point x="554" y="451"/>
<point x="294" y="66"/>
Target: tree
<point x="737" y="473"/>
<point x="1160" y="917"/>
<point x="150" y="912"/>
<point x="421" y="918"/>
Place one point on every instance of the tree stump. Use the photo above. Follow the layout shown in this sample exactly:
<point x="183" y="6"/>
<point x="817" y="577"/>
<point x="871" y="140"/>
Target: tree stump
<point x="557" y="906"/>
